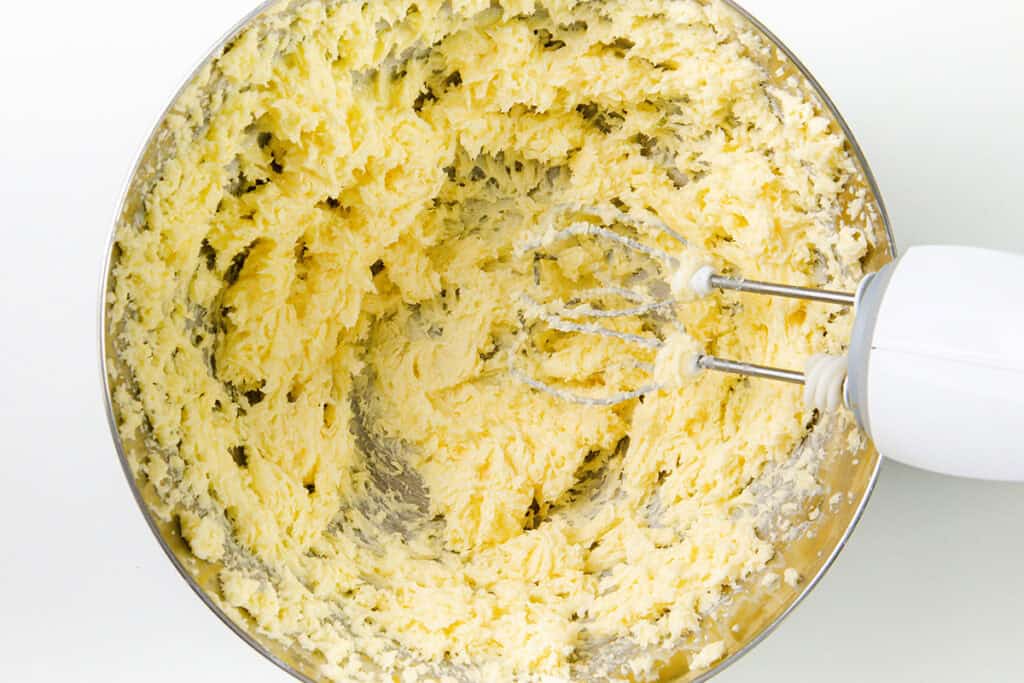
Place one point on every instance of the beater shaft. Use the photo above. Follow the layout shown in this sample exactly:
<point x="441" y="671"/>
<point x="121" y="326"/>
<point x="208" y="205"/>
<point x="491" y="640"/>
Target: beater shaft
<point x="772" y="289"/>
<point x="750" y="370"/>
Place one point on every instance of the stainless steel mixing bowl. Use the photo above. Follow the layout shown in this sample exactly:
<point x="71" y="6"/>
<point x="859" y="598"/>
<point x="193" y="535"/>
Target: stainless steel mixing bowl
<point x="848" y="471"/>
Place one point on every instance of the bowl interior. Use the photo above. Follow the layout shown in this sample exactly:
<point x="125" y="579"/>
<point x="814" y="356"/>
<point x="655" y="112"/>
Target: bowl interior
<point x="848" y="470"/>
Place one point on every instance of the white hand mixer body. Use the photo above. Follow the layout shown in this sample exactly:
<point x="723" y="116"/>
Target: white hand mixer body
<point x="935" y="364"/>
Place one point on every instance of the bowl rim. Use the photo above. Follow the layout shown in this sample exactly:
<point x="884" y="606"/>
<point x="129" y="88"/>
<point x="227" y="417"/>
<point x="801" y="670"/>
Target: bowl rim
<point x="103" y="331"/>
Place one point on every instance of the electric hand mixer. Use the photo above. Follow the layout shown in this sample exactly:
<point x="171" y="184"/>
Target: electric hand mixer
<point x="933" y="370"/>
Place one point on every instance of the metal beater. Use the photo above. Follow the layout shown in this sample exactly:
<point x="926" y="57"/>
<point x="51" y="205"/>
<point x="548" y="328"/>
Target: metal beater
<point x="653" y="297"/>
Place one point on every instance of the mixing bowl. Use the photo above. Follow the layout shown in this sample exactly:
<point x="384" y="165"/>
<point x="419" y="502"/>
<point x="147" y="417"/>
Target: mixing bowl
<point x="848" y="471"/>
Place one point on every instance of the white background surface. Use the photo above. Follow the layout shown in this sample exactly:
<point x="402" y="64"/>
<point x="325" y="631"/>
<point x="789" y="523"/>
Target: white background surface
<point x="930" y="587"/>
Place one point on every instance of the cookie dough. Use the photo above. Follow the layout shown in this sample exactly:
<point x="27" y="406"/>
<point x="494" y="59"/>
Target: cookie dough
<point x="317" y="309"/>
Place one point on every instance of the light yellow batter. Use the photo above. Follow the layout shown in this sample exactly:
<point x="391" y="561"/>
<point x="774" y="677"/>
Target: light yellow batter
<point x="318" y="310"/>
